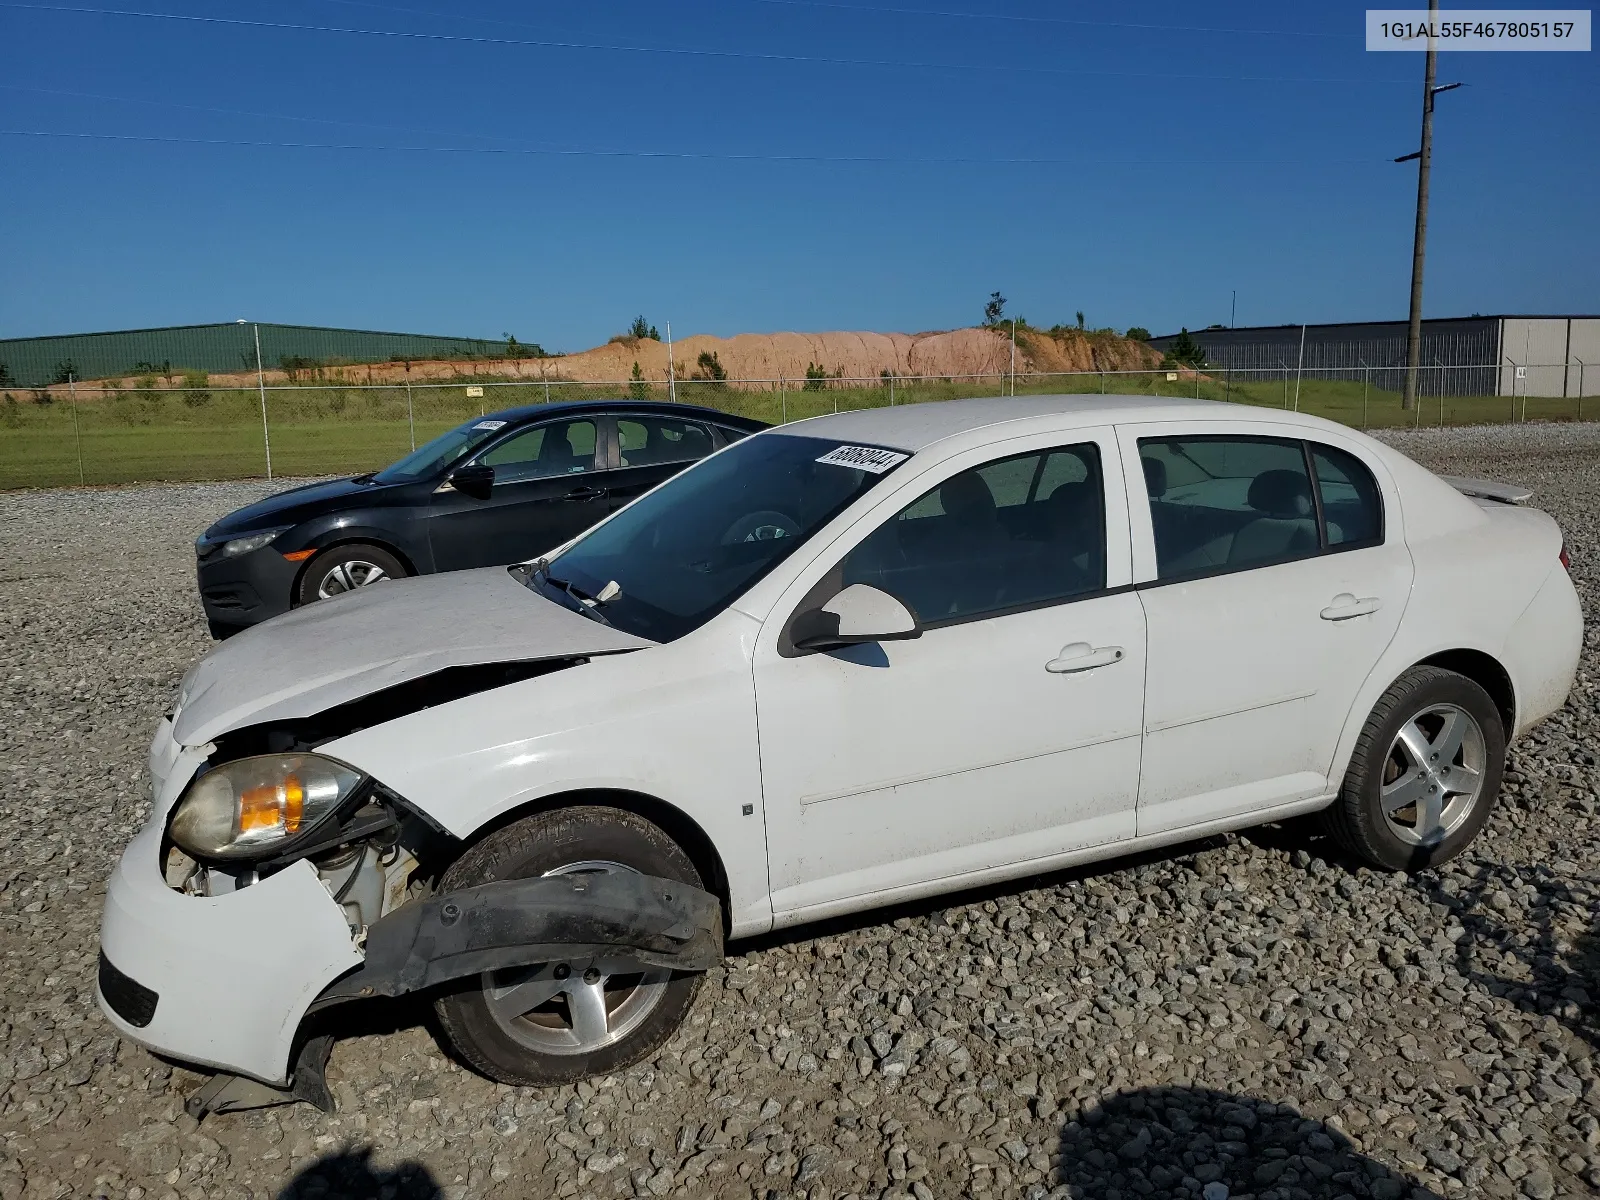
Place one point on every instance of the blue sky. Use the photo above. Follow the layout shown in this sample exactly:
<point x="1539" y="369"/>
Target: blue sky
<point x="1167" y="166"/>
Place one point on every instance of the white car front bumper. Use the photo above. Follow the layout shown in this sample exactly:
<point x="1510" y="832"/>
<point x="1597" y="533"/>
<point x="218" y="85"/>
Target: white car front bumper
<point x="231" y="975"/>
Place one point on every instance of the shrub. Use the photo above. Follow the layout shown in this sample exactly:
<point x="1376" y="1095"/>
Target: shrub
<point x="817" y="377"/>
<point x="709" y="368"/>
<point x="1186" y="351"/>
<point x="994" y="310"/>
<point x="638" y="389"/>
<point x="1137" y="333"/>
<point x="195" y="391"/>
<point x="5" y="376"/>
<point x="65" y="372"/>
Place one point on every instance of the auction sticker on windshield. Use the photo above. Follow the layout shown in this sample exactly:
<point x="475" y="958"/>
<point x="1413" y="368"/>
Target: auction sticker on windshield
<point x="489" y="425"/>
<point x="864" y="458"/>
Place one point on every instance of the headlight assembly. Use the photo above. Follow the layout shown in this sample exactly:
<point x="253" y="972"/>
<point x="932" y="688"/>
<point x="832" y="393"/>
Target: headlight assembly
<point x="251" y="807"/>
<point x="254" y="541"/>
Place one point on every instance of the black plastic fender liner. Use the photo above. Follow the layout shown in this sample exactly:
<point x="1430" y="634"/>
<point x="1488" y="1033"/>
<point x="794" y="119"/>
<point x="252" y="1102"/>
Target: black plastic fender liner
<point x="518" y="922"/>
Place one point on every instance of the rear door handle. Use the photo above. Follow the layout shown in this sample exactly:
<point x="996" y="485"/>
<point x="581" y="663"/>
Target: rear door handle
<point x="585" y="493"/>
<point x="1345" y="605"/>
<point x="1081" y="656"/>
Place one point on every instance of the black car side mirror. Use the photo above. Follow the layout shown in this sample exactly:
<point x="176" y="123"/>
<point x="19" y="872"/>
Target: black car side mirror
<point x="860" y="613"/>
<point x="475" y="480"/>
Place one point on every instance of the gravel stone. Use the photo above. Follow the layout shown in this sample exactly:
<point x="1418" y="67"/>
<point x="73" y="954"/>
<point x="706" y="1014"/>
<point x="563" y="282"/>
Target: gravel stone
<point x="1243" y="1016"/>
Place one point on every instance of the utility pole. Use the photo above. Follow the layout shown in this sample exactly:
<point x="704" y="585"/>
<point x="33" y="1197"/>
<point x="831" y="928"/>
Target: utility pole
<point x="672" y="383"/>
<point x="1233" y="310"/>
<point x="1013" y="356"/>
<point x="1424" y="157"/>
<point x="261" y="383"/>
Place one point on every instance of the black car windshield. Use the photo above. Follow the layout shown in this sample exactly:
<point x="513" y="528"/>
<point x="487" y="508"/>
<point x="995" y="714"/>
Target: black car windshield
<point x="444" y="451"/>
<point x="684" y="552"/>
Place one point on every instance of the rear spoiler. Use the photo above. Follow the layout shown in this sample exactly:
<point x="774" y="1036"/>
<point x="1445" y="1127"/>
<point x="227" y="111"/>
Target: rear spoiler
<point x="1485" y="489"/>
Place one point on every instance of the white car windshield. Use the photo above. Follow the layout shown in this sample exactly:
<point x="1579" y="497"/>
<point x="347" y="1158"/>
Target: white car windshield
<point x="684" y="552"/>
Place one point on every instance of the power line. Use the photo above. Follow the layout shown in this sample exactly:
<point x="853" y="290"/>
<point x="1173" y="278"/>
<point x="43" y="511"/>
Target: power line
<point x="592" y="152"/>
<point x="270" y="116"/>
<point x="805" y="59"/>
<point x="1032" y="20"/>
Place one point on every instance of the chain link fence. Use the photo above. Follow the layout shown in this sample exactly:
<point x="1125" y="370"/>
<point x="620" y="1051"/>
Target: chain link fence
<point x="90" y="435"/>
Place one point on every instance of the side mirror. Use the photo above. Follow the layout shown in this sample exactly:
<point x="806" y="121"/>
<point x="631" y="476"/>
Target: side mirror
<point x="475" y="480"/>
<point x="860" y="613"/>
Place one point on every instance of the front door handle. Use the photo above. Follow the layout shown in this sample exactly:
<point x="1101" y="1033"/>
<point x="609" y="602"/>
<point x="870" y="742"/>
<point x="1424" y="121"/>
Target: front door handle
<point x="1081" y="656"/>
<point x="1345" y="605"/>
<point x="585" y="493"/>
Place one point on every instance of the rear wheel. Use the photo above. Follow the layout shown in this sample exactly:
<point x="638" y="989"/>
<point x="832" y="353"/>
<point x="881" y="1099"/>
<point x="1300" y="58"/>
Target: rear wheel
<point x="558" y="1022"/>
<point x="1424" y="775"/>
<point x="345" y="568"/>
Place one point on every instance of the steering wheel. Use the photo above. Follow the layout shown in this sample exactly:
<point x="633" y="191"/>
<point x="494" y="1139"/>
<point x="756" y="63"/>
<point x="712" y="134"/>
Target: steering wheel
<point x="763" y="526"/>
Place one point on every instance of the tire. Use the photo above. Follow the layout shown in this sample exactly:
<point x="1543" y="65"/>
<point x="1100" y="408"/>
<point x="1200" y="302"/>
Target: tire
<point x="547" y="1046"/>
<point x="1435" y="739"/>
<point x="344" y="568"/>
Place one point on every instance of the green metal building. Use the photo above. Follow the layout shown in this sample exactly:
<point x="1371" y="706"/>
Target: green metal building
<point x="37" y="361"/>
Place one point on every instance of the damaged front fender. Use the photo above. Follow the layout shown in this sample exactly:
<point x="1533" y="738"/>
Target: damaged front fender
<point x="519" y="922"/>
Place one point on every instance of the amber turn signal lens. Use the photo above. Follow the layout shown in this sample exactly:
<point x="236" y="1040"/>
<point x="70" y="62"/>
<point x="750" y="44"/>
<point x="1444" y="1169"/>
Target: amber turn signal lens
<point x="272" y="808"/>
<point x="299" y="555"/>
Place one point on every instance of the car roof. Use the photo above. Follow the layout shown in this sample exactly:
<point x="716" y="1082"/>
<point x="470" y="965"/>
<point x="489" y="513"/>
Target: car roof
<point x="644" y="407"/>
<point x="914" y="427"/>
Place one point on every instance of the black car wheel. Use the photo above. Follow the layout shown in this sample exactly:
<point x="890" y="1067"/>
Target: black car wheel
<point x="345" y="568"/>
<point x="558" y="1022"/>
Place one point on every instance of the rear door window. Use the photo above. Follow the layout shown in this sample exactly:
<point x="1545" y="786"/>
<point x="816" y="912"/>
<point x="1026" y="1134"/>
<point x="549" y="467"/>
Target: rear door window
<point x="1228" y="504"/>
<point x="1351" y="503"/>
<point x="650" y="441"/>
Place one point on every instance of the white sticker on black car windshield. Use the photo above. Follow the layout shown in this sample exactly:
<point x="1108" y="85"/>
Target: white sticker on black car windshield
<point x="489" y="425"/>
<point x="864" y="458"/>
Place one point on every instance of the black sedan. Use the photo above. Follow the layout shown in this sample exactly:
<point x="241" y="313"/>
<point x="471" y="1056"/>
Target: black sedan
<point x="500" y="489"/>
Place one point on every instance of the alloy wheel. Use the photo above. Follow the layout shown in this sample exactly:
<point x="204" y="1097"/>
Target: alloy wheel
<point x="578" y="1005"/>
<point x="347" y="576"/>
<point x="1433" y="775"/>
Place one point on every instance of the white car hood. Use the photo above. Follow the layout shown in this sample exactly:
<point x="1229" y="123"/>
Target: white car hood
<point x="334" y="651"/>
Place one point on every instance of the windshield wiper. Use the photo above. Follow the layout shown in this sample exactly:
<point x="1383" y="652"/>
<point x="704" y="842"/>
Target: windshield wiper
<point x="583" y="603"/>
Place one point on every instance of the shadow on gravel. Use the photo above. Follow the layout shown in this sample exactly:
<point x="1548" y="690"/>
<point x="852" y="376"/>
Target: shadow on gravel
<point x="350" y="1174"/>
<point x="1185" y="1141"/>
<point x="1532" y="938"/>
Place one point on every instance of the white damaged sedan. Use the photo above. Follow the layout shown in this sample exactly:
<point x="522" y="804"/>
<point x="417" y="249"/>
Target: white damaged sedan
<point x="846" y="662"/>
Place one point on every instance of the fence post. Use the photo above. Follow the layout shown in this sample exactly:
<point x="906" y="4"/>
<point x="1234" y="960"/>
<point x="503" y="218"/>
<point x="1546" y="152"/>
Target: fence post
<point x="261" y="383"/>
<point x="77" y="434"/>
<point x="891" y="389"/>
<point x="783" y="400"/>
<point x="1580" y="389"/>
<point x="411" y="417"/>
<point x="1366" y="383"/>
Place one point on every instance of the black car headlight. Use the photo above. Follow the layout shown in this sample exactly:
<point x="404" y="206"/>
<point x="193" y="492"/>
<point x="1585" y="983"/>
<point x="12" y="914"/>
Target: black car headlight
<point x="253" y="806"/>
<point x="252" y="541"/>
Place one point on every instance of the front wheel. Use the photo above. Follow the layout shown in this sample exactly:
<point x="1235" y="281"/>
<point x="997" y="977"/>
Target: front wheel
<point x="345" y="568"/>
<point x="1424" y="775"/>
<point x="558" y="1022"/>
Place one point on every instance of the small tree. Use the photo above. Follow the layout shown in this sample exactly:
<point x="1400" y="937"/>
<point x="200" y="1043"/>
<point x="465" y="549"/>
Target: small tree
<point x="816" y="377"/>
<point x="5" y="376"/>
<point x="994" y="310"/>
<point x="638" y="389"/>
<point x="1137" y="333"/>
<point x="65" y="372"/>
<point x="641" y="328"/>
<point x="1080" y="318"/>
<point x="708" y="367"/>
<point x="1187" y="351"/>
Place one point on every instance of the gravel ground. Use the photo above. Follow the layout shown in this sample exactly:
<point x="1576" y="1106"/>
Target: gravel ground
<point x="1244" y="1017"/>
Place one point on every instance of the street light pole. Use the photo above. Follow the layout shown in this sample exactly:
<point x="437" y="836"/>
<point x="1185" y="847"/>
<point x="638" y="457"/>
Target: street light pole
<point x="1424" y="157"/>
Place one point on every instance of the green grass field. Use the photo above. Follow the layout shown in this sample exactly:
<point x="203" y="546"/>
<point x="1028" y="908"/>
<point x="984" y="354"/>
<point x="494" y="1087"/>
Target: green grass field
<point x="217" y="434"/>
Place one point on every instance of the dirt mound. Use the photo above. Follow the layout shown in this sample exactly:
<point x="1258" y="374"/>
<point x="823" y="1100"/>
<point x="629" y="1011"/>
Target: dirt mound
<point x="758" y="356"/>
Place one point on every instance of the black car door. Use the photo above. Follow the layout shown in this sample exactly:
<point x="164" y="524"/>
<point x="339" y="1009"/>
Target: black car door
<point x="650" y="449"/>
<point x="545" y="490"/>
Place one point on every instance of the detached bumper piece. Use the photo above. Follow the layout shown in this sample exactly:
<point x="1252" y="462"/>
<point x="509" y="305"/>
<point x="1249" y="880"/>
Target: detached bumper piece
<point x="658" y="922"/>
<point x="518" y="922"/>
